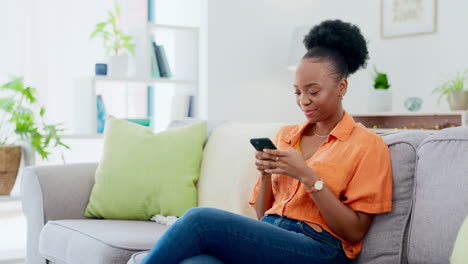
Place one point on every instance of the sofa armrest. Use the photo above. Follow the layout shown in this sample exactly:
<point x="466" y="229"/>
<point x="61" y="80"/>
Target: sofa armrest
<point x="51" y="193"/>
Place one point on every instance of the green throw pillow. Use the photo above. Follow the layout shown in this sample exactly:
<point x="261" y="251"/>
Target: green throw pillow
<point x="142" y="174"/>
<point x="460" y="252"/>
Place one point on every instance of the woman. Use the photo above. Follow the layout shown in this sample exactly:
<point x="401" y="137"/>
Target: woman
<point x="316" y="195"/>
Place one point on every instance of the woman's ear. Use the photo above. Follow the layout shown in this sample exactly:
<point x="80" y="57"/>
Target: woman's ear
<point x="343" y="86"/>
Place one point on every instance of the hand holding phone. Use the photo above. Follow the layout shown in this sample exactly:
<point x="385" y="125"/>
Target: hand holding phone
<point x="262" y="143"/>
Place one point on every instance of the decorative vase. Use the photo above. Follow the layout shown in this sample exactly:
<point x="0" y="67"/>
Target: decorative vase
<point x="10" y="157"/>
<point x="458" y="100"/>
<point x="118" y="66"/>
<point x="380" y="100"/>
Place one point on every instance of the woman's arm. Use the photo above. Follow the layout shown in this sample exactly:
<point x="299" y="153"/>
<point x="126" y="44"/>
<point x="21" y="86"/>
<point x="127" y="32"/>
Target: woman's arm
<point x="346" y="223"/>
<point x="264" y="199"/>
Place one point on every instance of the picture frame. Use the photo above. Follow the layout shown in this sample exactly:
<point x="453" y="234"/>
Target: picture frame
<point x="400" y="18"/>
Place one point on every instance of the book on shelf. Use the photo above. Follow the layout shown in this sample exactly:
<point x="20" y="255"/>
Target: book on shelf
<point x="151" y="11"/>
<point x="161" y="60"/>
<point x="150" y="101"/>
<point x="101" y="114"/>
<point x="155" y="73"/>
<point x="191" y="106"/>
<point x="140" y="121"/>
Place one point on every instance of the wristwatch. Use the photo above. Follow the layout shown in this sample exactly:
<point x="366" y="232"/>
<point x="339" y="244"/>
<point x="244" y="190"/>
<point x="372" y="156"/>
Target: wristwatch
<point x="318" y="186"/>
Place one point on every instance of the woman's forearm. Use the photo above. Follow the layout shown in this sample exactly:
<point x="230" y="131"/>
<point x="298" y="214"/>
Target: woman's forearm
<point x="348" y="224"/>
<point x="264" y="199"/>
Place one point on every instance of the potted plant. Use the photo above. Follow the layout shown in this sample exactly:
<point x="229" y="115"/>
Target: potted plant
<point x="22" y="120"/>
<point x="453" y="91"/>
<point x="380" y="98"/>
<point x="117" y="45"/>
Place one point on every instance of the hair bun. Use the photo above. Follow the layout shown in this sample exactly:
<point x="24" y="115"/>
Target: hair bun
<point x="343" y="37"/>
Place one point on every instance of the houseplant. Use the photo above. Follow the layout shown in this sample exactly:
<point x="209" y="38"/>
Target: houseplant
<point x="380" y="98"/>
<point x="454" y="92"/>
<point x="117" y="44"/>
<point x="22" y="120"/>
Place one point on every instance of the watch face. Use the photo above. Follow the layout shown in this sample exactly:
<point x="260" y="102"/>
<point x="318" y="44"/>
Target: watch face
<point x="318" y="185"/>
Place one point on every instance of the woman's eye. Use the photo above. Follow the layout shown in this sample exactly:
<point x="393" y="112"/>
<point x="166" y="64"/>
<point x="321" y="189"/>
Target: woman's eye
<point x="297" y="93"/>
<point x="313" y="93"/>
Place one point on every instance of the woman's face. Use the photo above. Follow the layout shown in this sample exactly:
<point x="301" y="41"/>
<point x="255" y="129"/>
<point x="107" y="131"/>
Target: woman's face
<point x="318" y="92"/>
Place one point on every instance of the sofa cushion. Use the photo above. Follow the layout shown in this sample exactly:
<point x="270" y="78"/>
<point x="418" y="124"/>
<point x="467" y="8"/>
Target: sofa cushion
<point x="440" y="196"/>
<point x="142" y="174"/>
<point x="228" y="171"/>
<point x="97" y="241"/>
<point x="384" y="243"/>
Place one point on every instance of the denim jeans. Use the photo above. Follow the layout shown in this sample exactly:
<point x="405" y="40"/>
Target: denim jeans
<point x="208" y="235"/>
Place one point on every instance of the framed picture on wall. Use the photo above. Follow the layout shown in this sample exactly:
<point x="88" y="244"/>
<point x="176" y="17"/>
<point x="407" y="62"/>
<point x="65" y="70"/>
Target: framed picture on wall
<point x="401" y="18"/>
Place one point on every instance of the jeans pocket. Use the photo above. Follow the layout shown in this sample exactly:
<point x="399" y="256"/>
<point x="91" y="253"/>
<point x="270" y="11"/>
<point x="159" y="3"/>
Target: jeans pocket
<point x="321" y="237"/>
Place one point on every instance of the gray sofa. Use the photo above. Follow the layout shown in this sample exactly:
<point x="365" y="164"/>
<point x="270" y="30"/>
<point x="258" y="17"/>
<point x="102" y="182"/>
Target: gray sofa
<point x="430" y="201"/>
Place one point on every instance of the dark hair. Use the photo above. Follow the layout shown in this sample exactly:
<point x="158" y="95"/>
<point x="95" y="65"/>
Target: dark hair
<point x="340" y="43"/>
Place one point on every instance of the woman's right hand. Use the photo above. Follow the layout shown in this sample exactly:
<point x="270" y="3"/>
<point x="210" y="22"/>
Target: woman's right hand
<point x="262" y="156"/>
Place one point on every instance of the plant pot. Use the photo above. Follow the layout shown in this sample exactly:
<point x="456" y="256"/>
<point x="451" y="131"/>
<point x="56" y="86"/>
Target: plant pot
<point x="458" y="100"/>
<point x="380" y="100"/>
<point x="10" y="157"/>
<point x="118" y="66"/>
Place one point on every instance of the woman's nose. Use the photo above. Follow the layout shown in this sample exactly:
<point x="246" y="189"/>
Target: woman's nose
<point x="304" y="100"/>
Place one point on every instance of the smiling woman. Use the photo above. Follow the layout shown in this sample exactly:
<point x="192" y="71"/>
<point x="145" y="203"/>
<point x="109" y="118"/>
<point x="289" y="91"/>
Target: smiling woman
<point x="316" y="194"/>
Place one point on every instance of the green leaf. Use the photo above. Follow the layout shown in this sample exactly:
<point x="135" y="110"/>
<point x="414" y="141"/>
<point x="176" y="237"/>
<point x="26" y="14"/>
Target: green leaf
<point x="7" y="104"/>
<point x="16" y="84"/>
<point x="29" y="94"/>
<point x="111" y="19"/>
<point x="42" y="111"/>
<point x="126" y="38"/>
<point x="380" y="80"/>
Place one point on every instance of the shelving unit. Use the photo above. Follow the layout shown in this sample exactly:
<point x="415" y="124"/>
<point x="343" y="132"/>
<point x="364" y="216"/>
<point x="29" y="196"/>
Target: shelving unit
<point x="181" y="44"/>
<point x="411" y="121"/>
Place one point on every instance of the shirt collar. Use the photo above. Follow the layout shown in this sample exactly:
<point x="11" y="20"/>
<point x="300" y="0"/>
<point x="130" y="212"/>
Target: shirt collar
<point x="341" y="131"/>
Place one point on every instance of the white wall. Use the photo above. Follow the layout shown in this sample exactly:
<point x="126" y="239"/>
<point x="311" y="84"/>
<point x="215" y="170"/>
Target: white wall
<point x="248" y="46"/>
<point x="12" y="44"/>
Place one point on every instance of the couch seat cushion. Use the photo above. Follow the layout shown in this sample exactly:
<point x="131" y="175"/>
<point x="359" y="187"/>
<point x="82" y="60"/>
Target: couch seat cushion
<point x="97" y="241"/>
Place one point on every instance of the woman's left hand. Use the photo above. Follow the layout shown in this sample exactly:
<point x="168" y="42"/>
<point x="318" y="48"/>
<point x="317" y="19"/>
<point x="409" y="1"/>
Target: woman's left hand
<point x="287" y="162"/>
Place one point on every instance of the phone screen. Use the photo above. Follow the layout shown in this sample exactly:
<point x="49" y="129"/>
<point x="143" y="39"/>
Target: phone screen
<point x="262" y="143"/>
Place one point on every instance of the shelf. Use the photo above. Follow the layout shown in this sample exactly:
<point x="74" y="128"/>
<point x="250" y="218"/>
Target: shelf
<point x="153" y="26"/>
<point x="82" y="136"/>
<point x="381" y="131"/>
<point x="143" y="80"/>
<point x="412" y="121"/>
<point x="452" y="113"/>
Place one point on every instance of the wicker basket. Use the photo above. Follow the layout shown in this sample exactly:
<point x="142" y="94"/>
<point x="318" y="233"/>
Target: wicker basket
<point x="10" y="157"/>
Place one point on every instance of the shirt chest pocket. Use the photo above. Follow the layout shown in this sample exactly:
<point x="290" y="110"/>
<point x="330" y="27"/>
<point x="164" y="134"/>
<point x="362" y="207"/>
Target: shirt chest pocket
<point x="333" y="174"/>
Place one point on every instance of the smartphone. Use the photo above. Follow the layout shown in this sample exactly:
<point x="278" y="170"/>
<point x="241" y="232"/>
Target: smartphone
<point x="262" y="143"/>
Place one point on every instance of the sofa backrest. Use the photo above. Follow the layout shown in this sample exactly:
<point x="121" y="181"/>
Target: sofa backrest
<point x="228" y="171"/>
<point x="386" y="240"/>
<point x="441" y="196"/>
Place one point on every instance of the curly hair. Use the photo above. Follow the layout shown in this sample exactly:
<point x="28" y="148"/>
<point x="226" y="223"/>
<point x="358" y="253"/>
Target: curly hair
<point x="340" y="43"/>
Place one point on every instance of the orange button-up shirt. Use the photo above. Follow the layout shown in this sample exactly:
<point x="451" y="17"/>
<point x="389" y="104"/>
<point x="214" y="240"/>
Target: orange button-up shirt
<point x="353" y="162"/>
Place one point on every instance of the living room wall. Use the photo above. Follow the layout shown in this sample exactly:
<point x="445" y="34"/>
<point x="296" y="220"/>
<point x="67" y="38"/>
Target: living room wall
<point x="248" y="49"/>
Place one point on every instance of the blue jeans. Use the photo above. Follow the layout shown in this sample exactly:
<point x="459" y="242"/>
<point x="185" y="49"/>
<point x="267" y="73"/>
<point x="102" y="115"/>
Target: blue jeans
<point x="208" y="235"/>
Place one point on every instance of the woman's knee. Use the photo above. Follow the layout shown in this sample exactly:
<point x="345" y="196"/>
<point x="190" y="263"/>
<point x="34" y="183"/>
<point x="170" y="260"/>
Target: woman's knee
<point x="199" y="214"/>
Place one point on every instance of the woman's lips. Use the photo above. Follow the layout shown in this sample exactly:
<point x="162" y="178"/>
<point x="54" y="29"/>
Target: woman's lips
<point x="309" y="112"/>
